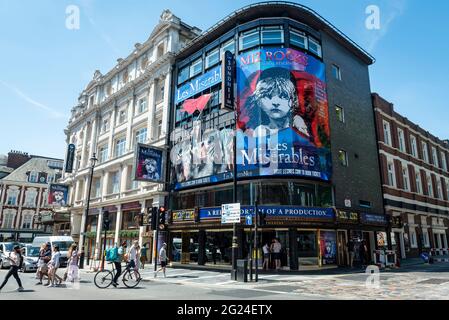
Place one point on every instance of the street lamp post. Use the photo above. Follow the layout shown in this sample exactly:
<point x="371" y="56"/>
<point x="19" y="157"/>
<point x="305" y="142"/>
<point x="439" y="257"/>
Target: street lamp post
<point x="93" y="160"/>
<point x="234" y="226"/>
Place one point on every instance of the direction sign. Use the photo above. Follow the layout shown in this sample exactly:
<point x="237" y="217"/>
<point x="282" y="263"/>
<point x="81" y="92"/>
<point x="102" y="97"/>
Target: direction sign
<point x="230" y="213"/>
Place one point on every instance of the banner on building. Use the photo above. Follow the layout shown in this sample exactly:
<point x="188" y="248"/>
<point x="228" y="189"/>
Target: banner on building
<point x="148" y="163"/>
<point x="282" y="126"/>
<point x="70" y="158"/>
<point x="283" y="121"/>
<point x="58" y="195"/>
<point x="200" y="83"/>
<point x="228" y="72"/>
<point x="328" y="247"/>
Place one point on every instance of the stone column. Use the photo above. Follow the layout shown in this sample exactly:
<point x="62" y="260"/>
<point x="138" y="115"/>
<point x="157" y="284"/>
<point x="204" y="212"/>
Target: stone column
<point x="77" y="191"/>
<point x="111" y="133"/>
<point x="151" y="110"/>
<point x="19" y="209"/>
<point x="105" y="184"/>
<point x="118" y="224"/>
<point x="124" y="178"/>
<point x="82" y="237"/>
<point x="98" y="242"/>
<point x="166" y="110"/>
<point x="93" y="137"/>
<point x="143" y="228"/>
<point x="83" y="148"/>
<point x="131" y="105"/>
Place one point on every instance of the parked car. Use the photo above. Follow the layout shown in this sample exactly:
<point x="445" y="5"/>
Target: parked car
<point x="5" y="250"/>
<point x="30" y="258"/>
<point x="63" y="242"/>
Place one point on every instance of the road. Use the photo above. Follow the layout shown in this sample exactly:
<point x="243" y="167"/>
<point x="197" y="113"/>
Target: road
<point x="413" y="282"/>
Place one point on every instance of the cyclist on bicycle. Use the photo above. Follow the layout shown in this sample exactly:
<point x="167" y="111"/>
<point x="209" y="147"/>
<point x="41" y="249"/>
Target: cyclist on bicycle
<point x="118" y="262"/>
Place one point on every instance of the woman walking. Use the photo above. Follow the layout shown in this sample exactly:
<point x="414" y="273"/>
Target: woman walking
<point x="53" y="266"/>
<point x="72" y="269"/>
<point x="16" y="263"/>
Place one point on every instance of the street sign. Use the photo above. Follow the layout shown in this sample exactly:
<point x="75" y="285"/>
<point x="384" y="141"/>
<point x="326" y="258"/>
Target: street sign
<point x="230" y="213"/>
<point x="249" y="220"/>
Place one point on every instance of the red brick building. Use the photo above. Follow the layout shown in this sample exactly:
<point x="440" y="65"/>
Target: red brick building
<point x="415" y="181"/>
<point x="24" y="209"/>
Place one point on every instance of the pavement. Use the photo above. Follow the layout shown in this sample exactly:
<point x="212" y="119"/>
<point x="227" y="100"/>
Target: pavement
<point x="412" y="281"/>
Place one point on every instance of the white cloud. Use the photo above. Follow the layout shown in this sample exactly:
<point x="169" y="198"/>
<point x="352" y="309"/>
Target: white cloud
<point x="388" y="13"/>
<point x="53" y="113"/>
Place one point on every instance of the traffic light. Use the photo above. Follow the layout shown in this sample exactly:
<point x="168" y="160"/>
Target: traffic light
<point x="106" y="221"/>
<point x="262" y="216"/>
<point x="196" y="214"/>
<point x="153" y="218"/>
<point x="161" y="216"/>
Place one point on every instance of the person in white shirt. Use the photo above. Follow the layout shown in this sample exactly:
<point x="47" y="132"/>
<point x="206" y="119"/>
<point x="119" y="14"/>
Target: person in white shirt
<point x="53" y="266"/>
<point x="16" y="259"/>
<point x="162" y="259"/>
<point x="133" y="256"/>
<point x="276" y="249"/>
<point x="266" y="256"/>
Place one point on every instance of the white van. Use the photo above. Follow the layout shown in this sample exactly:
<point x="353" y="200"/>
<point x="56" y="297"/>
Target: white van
<point x="63" y="242"/>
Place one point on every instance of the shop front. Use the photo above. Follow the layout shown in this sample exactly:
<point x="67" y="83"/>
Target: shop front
<point x="129" y="230"/>
<point x="91" y="232"/>
<point x="307" y="236"/>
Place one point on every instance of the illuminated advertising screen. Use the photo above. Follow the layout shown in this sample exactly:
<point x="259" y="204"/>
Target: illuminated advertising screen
<point x="201" y="156"/>
<point x="283" y="121"/>
<point x="282" y="124"/>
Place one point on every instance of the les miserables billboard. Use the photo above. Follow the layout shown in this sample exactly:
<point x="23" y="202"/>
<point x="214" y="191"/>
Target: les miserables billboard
<point x="283" y="120"/>
<point x="282" y="125"/>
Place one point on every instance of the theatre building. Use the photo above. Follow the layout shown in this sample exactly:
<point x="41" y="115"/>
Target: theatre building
<point x="126" y="106"/>
<point x="415" y="182"/>
<point x="306" y="146"/>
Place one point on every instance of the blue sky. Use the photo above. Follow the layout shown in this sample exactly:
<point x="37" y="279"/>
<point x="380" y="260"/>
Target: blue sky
<point x="44" y="66"/>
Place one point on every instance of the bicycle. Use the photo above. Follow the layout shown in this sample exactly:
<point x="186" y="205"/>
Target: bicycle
<point x="104" y="278"/>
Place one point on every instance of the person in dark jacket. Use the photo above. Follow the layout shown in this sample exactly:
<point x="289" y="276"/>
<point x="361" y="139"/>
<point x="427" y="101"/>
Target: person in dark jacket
<point x="351" y="252"/>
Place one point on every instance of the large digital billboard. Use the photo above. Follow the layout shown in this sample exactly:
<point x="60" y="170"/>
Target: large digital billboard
<point x="283" y="122"/>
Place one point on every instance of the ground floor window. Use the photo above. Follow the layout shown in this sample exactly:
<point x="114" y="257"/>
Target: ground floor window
<point x="218" y="247"/>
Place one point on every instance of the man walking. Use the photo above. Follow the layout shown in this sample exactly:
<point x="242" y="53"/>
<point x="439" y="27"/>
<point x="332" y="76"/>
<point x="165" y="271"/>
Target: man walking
<point x="351" y="251"/>
<point x="16" y="263"/>
<point x="143" y="255"/>
<point x="162" y="259"/>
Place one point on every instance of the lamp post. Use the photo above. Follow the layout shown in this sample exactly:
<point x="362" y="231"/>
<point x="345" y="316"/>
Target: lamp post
<point x="93" y="161"/>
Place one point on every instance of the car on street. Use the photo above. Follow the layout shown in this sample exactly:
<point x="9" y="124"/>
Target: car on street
<point x="30" y="258"/>
<point x="63" y="242"/>
<point x="5" y="250"/>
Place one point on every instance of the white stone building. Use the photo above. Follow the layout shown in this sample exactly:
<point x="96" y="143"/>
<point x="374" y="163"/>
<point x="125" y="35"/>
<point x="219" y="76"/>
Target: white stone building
<point x="129" y="104"/>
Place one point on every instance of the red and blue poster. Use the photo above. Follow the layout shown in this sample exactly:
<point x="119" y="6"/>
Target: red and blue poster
<point x="283" y="121"/>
